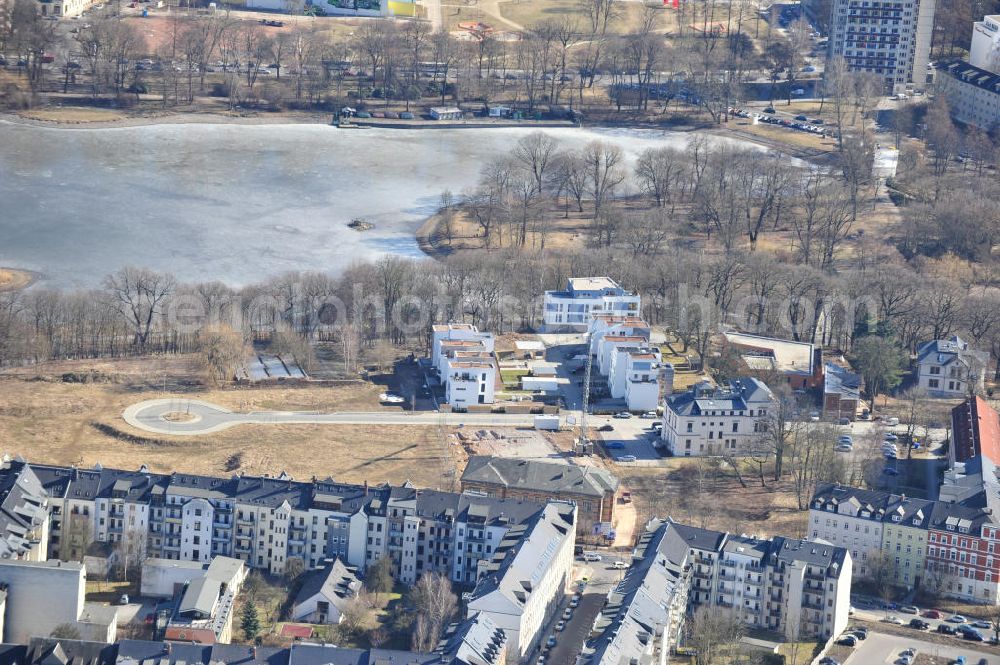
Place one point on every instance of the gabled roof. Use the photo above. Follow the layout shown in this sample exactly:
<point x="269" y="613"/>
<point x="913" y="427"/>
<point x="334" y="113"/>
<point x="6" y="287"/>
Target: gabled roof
<point x="336" y="581"/>
<point x="550" y="477"/>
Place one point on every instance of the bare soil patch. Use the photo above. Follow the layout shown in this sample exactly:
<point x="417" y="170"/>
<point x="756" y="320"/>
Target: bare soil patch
<point x="47" y="419"/>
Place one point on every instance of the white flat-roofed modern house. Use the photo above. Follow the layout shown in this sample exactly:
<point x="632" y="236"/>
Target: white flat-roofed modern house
<point x="642" y="380"/>
<point x="458" y="332"/>
<point x="611" y="325"/>
<point x="710" y="420"/>
<point x="464" y="361"/>
<point x="949" y="367"/>
<point x="573" y="308"/>
<point x="470" y="381"/>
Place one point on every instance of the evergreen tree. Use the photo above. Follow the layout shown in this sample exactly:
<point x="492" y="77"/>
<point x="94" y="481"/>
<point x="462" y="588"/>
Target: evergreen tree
<point x="250" y="622"/>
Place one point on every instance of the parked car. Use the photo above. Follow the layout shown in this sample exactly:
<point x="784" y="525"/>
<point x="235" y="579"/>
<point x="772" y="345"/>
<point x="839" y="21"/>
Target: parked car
<point x="931" y="614"/>
<point x="892" y="618"/>
<point x="798" y="92"/>
<point x="567" y="614"/>
<point x="909" y="609"/>
<point x="619" y="565"/>
<point x="945" y="629"/>
<point x="649" y="415"/>
<point x="972" y="636"/>
<point x="801" y="117"/>
<point x="956" y="618"/>
<point x="551" y="642"/>
<point x="591" y="556"/>
<point x="919" y="624"/>
<point x="848" y="641"/>
<point x="624" y="415"/>
<point x="625" y="458"/>
<point x="606" y="427"/>
<point x="860" y="632"/>
<point x="980" y="623"/>
<point x="769" y="109"/>
<point x="560" y="626"/>
<point x="574" y="601"/>
<point x="827" y="660"/>
<point x="123" y="599"/>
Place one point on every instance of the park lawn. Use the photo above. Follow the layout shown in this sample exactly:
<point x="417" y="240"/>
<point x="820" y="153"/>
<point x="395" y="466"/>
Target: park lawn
<point x="512" y="376"/>
<point x="798" y="653"/>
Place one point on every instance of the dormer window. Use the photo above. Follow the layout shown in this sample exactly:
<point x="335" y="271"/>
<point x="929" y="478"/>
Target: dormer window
<point x="951" y="527"/>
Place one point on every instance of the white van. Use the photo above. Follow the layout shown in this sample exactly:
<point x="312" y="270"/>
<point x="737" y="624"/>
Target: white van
<point x="892" y="422"/>
<point x="591" y="556"/>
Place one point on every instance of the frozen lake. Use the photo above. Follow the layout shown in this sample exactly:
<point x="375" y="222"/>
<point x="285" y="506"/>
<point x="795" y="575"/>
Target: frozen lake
<point x="234" y="202"/>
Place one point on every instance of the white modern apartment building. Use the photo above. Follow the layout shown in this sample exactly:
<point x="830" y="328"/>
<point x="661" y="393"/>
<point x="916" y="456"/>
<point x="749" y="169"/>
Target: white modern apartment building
<point x="267" y="521"/>
<point x="521" y="586"/>
<point x="610" y="325"/>
<point x="464" y="360"/>
<point x="950" y="367"/>
<point x="984" y="52"/>
<point x="641" y="379"/>
<point x="798" y="588"/>
<point x="891" y="38"/>
<point x="710" y="420"/>
<point x="584" y="297"/>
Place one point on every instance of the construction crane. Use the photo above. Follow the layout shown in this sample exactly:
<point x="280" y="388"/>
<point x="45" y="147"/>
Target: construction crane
<point x="585" y="406"/>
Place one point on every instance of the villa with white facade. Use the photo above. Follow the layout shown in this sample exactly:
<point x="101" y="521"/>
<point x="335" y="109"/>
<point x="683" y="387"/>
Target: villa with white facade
<point x="710" y="420"/>
<point x="947" y="367"/>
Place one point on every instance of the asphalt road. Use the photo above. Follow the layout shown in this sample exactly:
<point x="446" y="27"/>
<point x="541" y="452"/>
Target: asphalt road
<point x="570" y="640"/>
<point x="207" y="418"/>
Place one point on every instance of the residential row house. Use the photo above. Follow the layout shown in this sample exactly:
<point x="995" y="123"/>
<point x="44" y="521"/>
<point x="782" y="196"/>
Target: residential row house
<point x="522" y="585"/>
<point x="464" y="360"/>
<point x="711" y="420"/>
<point x="800" y="589"/>
<point x="573" y="308"/>
<point x="267" y="521"/>
<point x="473" y="641"/>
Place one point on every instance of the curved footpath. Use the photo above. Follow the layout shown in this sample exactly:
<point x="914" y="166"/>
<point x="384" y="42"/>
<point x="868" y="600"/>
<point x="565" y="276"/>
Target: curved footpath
<point x="206" y="418"/>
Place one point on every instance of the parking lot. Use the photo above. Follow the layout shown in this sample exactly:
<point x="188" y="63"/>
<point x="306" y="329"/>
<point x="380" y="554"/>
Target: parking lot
<point x="882" y="648"/>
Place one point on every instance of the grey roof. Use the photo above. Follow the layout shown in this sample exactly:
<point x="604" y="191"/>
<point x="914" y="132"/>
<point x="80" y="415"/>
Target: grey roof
<point x="918" y="513"/>
<point x="200" y="597"/>
<point x="521" y="559"/>
<point x="971" y="75"/>
<point x="741" y="394"/>
<point x="550" y="477"/>
<point x="22" y="510"/>
<point x="336" y="581"/>
<point x="838" y="380"/>
<point x="946" y="351"/>
<point x="143" y="652"/>
<point x="698" y="538"/>
<point x="637" y="608"/>
<point x="477" y="640"/>
<point x="50" y="651"/>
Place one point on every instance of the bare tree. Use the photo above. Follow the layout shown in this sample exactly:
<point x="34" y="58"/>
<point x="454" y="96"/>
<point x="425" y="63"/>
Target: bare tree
<point x="138" y="295"/>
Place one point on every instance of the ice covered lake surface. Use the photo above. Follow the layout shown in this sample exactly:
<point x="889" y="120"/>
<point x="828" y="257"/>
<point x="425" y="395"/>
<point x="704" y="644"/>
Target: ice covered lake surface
<point x="237" y="203"/>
